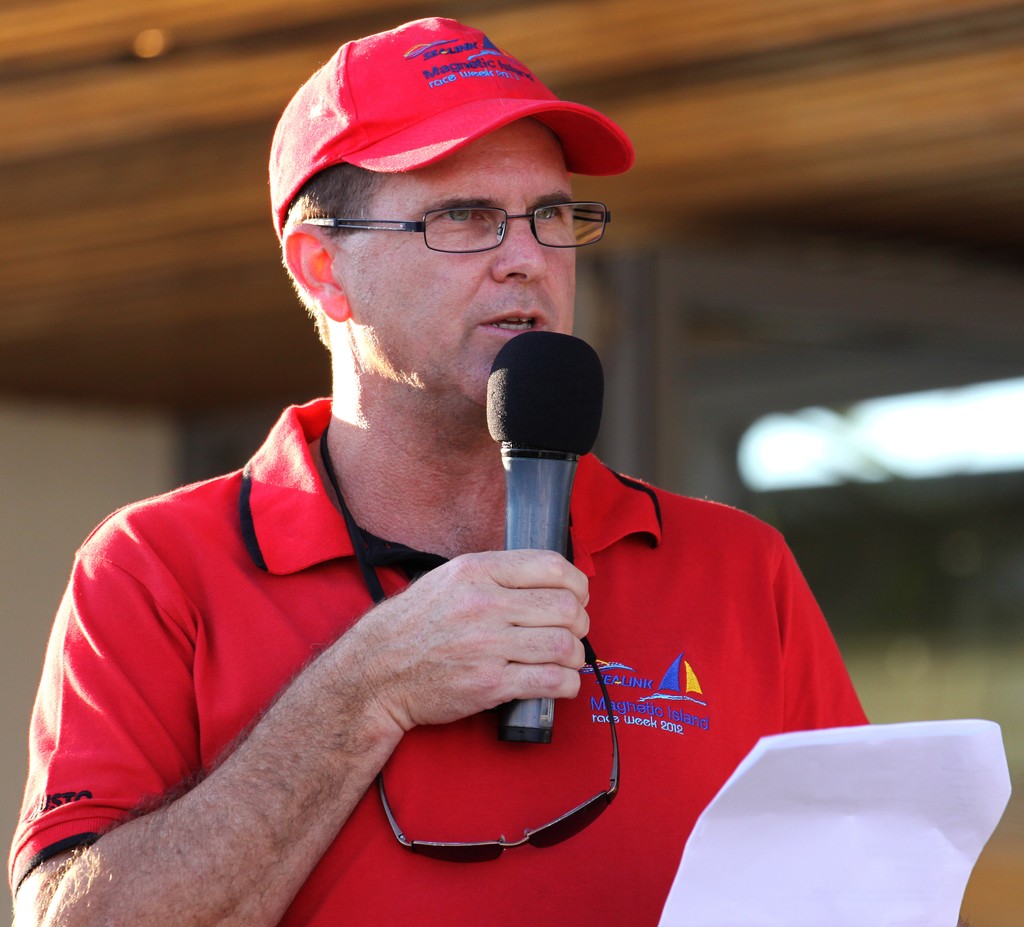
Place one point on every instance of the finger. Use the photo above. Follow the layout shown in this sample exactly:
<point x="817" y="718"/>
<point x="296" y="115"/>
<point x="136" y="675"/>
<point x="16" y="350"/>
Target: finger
<point x="542" y="681"/>
<point x="556" y="646"/>
<point x="547" y="608"/>
<point x="534" y="569"/>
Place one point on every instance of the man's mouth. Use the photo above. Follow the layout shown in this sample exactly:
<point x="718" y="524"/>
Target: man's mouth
<point x="515" y="325"/>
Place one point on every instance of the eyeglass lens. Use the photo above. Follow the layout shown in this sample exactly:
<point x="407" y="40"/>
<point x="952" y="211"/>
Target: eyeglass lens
<point x="548" y="835"/>
<point x="571" y="824"/>
<point x="480" y="228"/>
<point x="459" y="852"/>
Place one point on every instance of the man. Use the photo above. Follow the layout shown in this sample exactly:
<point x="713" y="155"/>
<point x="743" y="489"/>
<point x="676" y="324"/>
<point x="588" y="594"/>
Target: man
<point x="234" y="664"/>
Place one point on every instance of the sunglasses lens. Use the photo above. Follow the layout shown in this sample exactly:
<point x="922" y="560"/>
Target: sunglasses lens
<point x="458" y="852"/>
<point x="570" y="824"/>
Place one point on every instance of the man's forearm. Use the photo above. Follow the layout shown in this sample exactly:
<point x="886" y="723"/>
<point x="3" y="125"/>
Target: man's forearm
<point x="238" y="847"/>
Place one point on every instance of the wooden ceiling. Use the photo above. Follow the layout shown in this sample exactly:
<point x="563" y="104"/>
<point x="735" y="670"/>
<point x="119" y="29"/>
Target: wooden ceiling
<point x="137" y="260"/>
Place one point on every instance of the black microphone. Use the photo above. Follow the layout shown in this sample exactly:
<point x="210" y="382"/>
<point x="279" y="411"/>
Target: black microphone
<point x="544" y="398"/>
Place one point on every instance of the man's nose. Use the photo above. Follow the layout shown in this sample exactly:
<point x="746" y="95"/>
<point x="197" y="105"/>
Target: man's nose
<point x="520" y="251"/>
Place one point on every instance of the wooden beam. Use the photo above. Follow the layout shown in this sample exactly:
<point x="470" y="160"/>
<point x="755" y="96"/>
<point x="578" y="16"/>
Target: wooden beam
<point x="76" y="31"/>
<point x="67" y="33"/>
<point x="611" y="40"/>
<point x="565" y="41"/>
<point x="739" y="146"/>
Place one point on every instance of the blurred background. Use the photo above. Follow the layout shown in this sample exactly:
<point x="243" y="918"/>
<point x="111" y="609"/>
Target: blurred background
<point x="810" y="303"/>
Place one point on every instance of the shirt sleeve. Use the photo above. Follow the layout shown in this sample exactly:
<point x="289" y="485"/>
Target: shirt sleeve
<point x="818" y="692"/>
<point x="114" y="726"/>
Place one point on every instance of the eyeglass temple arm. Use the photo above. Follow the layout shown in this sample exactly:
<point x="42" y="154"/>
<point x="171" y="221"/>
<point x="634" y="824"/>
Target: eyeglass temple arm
<point x="370" y="225"/>
<point x="591" y="657"/>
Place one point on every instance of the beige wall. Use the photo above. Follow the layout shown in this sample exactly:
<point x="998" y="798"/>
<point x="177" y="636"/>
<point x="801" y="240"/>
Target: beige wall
<point x="62" y="470"/>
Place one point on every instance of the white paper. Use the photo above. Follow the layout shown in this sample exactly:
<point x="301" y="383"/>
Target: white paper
<point x="873" y="826"/>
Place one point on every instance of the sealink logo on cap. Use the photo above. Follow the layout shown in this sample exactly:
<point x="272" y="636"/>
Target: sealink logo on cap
<point x="432" y="49"/>
<point x="428" y="50"/>
<point x="486" y="60"/>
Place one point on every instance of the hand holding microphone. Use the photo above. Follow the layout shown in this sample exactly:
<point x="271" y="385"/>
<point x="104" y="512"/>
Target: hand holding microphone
<point x="544" y="400"/>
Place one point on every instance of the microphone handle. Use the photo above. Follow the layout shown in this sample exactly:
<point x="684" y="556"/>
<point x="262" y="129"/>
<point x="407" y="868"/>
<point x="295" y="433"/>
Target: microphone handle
<point x="538" y="486"/>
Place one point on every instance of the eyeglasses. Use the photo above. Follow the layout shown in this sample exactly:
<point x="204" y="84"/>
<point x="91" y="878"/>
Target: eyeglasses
<point x="469" y="229"/>
<point x="547" y="835"/>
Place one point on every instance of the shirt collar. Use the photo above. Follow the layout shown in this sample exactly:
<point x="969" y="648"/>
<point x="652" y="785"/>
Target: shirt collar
<point x="607" y="507"/>
<point x="289" y="522"/>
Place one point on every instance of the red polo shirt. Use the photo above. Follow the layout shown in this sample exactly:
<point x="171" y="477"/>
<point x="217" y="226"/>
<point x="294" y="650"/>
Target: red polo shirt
<point x="187" y="613"/>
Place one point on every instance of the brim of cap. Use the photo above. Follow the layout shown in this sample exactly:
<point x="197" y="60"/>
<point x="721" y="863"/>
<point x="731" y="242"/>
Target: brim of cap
<point x="591" y="142"/>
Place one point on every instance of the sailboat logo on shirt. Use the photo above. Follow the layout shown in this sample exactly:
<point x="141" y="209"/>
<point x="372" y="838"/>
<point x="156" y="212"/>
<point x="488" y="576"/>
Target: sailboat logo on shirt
<point x="657" y="709"/>
<point x="679" y="684"/>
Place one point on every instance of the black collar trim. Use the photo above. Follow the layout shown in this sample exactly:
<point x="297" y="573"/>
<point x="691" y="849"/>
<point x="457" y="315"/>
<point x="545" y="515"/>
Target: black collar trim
<point x="252" y="544"/>
<point x="630" y="483"/>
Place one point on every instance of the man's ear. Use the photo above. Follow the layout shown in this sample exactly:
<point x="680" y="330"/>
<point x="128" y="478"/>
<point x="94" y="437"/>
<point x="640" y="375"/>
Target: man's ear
<point x="311" y="263"/>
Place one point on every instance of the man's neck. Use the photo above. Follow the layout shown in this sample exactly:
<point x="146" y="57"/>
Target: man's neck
<point x="438" y="489"/>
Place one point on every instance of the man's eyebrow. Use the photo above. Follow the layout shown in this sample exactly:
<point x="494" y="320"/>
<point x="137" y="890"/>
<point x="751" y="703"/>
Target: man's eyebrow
<point x="460" y="202"/>
<point x="463" y="202"/>
<point x="553" y="199"/>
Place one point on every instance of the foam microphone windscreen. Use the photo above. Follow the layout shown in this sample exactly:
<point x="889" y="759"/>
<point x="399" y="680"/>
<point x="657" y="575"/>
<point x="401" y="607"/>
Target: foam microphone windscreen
<point x="545" y="392"/>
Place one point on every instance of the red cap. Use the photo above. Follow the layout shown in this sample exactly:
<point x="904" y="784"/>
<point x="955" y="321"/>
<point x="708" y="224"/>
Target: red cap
<point x="404" y="99"/>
